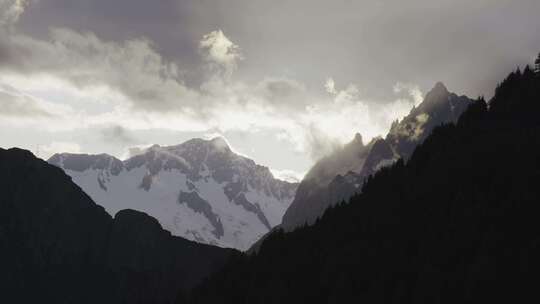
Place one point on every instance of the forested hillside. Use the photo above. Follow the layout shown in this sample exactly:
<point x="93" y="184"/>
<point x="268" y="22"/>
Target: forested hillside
<point x="457" y="223"/>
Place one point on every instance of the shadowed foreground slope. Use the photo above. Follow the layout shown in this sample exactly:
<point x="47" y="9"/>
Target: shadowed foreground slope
<point x="58" y="246"/>
<point x="457" y="223"/>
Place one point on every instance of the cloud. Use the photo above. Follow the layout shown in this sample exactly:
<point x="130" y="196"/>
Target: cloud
<point x="88" y="82"/>
<point x="131" y="70"/>
<point x="13" y="104"/>
<point x="412" y="89"/>
<point x="314" y="125"/>
<point x="288" y="175"/>
<point x="319" y="143"/>
<point x="421" y="120"/>
<point x="130" y="82"/>
<point x="282" y="91"/>
<point x="220" y="51"/>
<point x="10" y="11"/>
<point x="134" y="151"/>
<point x="372" y="43"/>
<point x="412" y="129"/>
<point x="221" y="142"/>
<point x="327" y="125"/>
<point x="46" y="151"/>
<point x="330" y="86"/>
<point x="117" y="135"/>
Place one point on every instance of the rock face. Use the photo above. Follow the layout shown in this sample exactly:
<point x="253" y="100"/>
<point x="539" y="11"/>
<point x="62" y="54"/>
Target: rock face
<point x="313" y="194"/>
<point x="58" y="246"/>
<point x="200" y="190"/>
<point x="338" y="176"/>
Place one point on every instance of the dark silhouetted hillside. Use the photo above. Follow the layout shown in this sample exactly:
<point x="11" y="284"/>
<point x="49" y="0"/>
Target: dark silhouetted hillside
<point x="456" y="223"/>
<point x="58" y="246"/>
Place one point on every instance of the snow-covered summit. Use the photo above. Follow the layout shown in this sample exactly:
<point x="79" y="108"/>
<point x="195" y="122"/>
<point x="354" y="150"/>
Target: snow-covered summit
<point x="200" y="189"/>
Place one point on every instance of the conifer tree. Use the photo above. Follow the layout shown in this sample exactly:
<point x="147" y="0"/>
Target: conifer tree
<point x="537" y="64"/>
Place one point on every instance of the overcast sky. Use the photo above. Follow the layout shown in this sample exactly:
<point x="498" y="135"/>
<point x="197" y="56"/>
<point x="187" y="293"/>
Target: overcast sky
<point x="283" y="81"/>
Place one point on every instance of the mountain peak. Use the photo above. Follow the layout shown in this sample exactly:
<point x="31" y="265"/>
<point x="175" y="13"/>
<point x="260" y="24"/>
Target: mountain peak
<point x="439" y="86"/>
<point x="358" y="139"/>
<point x="220" y="142"/>
<point x="439" y="90"/>
<point x="217" y="142"/>
<point x="191" y="186"/>
<point x="82" y="162"/>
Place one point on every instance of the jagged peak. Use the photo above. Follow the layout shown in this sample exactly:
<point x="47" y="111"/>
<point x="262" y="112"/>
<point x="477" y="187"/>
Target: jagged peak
<point x="437" y="94"/>
<point x="358" y="139"/>
<point x="439" y="86"/>
<point x="81" y="162"/>
<point x="356" y="143"/>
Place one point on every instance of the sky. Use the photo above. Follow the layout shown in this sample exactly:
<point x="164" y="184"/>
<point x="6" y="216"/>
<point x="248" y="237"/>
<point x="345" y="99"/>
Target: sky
<point x="284" y="82"/>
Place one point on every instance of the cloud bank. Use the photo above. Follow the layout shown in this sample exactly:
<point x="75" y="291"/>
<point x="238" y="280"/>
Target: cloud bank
<point x="10" y="11"/>
<point x="75" y="81"/>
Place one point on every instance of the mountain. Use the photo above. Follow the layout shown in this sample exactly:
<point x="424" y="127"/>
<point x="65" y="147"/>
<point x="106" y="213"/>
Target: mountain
<point x="200" y="190"/>
<point x="338" y="176"/>
<point x="58" y="246"/>
<point x="313" y="195"/>
<point x="457" y="222"/>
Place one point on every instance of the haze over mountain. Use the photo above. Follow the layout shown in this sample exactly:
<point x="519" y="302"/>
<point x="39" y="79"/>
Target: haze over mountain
<point x="200" y="190"/>
<point x="341" y="174"/>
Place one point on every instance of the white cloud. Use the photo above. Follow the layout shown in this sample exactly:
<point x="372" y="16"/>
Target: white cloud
<point x="412" y="89"/>
<point x="129" y="72"/>
<point x="220" y="50"/>
<point x="330" y="86"/>
<point x="421" y="120"/>
<point x="288" y="175"/>
<point x="134" y="151"/>
<point x="49" y="150"/>
<point x="16" y="104"/>
<point x="11" y="10"/>
<point x="221" y="142"/>
<point x="413" y="129"/>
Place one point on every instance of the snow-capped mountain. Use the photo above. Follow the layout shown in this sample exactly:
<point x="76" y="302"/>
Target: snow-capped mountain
<point x="338" y="176"/>
<point x="200" y="190"/>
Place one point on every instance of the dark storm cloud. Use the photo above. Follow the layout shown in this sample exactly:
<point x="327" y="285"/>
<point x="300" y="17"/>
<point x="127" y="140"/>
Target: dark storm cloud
<point x="468" y="44"/>
<point x="132" y="68"/>
<point x="175" y="26"/>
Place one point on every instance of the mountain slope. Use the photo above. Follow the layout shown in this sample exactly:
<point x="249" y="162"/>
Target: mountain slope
<point x="314" y="195"/>
<point x="200" y="190"/>
<point x="456" y="223"/>
<point x="336" y="177"/>
<point x="58" y="246"/>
